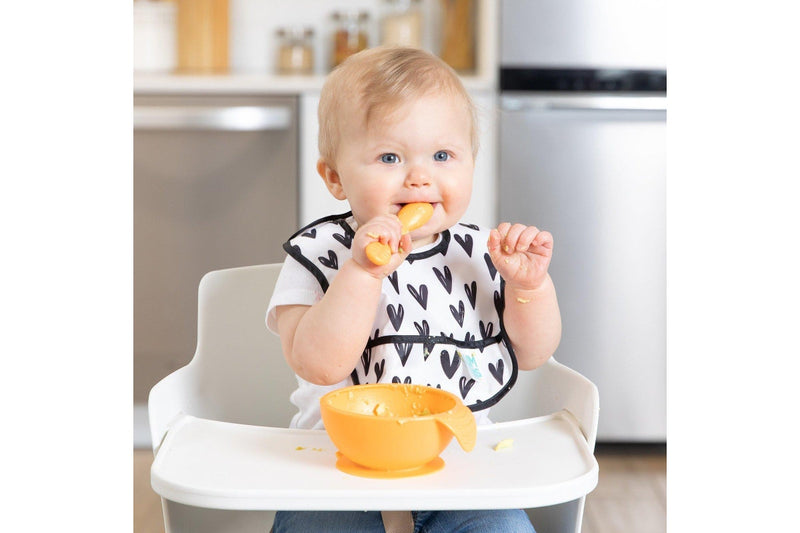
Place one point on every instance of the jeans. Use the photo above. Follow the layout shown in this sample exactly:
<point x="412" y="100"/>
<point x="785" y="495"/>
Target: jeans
<point x="497" y="520"/>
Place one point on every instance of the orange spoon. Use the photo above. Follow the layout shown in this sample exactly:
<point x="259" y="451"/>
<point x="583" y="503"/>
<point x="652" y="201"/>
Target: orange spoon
<point x="412" y="216"/>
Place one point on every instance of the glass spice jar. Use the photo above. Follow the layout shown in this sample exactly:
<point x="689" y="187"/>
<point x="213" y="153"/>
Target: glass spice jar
<point x="350" y="36"/>
<point x="295" y="53"/>
<point x="402" y="25"/>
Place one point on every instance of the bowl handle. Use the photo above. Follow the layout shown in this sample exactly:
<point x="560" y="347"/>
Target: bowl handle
<point x="461" y="422"/>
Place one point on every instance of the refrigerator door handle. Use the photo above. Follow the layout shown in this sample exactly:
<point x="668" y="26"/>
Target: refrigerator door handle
<point x="233" y="118"/>
<point x="582" y="103"/>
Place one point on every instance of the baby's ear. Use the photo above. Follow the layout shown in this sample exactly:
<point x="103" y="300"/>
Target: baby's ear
<point x="331" y="179"/>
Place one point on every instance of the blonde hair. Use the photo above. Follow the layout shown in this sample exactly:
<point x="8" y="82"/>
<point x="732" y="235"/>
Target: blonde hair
<point x="378" y="80"/>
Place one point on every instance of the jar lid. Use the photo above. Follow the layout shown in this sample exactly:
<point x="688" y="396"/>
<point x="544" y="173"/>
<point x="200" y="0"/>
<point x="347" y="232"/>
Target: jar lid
<point x="351" y="15"/>
<point x="295" y="32"/>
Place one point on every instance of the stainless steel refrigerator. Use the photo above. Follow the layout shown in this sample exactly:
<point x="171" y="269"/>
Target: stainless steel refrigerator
<point x="583" y="155"/>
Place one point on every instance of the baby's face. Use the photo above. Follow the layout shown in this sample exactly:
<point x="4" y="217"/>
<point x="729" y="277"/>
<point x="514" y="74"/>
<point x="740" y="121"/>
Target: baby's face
<point x="421" y="152"/>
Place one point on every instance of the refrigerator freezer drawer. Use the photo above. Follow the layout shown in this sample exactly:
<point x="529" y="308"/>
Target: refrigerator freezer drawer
<point x="595" y="178"/>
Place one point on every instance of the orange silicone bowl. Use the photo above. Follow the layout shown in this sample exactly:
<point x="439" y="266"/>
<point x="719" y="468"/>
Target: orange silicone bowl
<point x="393" y="427"/>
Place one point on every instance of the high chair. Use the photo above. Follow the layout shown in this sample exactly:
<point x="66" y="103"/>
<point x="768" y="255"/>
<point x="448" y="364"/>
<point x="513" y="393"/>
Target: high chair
<point x="224" y="461"/>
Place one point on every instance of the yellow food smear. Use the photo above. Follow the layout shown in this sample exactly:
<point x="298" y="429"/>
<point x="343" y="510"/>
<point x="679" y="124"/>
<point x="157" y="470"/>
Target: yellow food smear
<point x="504" y="444"/>
<point x="381" y="410"/>
<point x="299" y="448"/>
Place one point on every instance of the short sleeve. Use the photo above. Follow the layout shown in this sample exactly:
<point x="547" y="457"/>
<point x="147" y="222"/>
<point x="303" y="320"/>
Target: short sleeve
<point x="295" y="286"/>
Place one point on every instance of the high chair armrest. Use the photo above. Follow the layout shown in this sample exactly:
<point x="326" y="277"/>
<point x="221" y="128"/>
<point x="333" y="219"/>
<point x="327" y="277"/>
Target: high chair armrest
<point x="168" y="401"/>
<point x="548" y="389"/>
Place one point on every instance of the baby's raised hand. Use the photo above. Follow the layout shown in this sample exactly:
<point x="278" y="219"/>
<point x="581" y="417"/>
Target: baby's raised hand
<point x="388" y="230"/>
<point x="521" y="254"/>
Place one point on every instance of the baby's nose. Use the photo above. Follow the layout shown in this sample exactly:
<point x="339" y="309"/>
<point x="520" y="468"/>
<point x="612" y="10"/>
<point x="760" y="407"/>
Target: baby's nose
<point x="417" y="177"/>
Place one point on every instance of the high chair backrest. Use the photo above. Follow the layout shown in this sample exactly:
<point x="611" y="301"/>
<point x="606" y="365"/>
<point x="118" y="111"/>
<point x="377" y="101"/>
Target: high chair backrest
<point x="238" y="373"/>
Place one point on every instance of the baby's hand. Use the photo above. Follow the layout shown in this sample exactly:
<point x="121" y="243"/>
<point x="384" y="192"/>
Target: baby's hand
<point x="386" y="229"/>
<point x="521" y="254"/>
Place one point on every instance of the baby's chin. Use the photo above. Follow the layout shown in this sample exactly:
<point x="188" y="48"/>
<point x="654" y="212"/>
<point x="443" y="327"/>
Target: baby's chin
<point x="422" y="238"/>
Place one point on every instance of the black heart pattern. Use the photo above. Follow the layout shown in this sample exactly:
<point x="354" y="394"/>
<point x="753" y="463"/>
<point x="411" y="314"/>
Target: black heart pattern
<point x="464" y="386"/>
<point x="446" y="278"/>
<point x="428" y="343"/>
<point x="490" y="265"/>
<point x="311" y="234"/>
<point x="472" y="293"/>
<point x="366" y="359"/>
<point x="499" y="302"/>
<point x="465" y="242"/>
<point x="396" y="317"/>
<point x="379" y="369"/>
<point x="497" y="371"/>
<point x="406" y="380"/>
<point x="403" y="350"/>
<point x="332" y="261"/>
<point x="345" y="239"/>
<point x="421" y="295"/>
<point x="449" y="366"/>
<point x="486" y="330"/>
<point x="393" y="280"/>
<point x="458" y="314"/>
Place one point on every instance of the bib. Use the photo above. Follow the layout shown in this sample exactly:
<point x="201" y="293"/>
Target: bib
<point x="440" y="317"/>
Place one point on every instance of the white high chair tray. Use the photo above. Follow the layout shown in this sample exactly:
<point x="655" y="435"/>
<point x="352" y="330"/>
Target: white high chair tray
<point x="221" y="465"/>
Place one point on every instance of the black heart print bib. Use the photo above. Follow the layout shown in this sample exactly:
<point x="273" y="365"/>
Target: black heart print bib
<point x="440" y="318"/>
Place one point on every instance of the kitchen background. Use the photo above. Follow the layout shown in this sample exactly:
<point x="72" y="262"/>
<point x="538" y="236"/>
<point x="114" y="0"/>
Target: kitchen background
<point x="573" y="118"/>
<point x="733" y="288"/>
<point x="572" y="109"/>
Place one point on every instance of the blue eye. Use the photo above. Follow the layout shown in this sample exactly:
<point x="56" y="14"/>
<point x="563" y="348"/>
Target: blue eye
<point x="389" y="158"/>
<point x="441" y="155"/>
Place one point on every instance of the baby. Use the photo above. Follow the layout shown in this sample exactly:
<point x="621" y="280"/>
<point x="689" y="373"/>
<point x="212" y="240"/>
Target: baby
<point x="456" y="307"/>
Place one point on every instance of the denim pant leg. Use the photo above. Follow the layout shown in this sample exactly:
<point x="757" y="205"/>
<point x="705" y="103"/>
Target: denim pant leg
<point x="493" y="520"/>
<point x="328" y="522"/>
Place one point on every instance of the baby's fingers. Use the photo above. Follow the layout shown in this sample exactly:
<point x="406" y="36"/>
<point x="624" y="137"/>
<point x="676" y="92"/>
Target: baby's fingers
<point x="543" y="243"/>
<point x="526" y="239"/>
<point x="494" y="240"/>
<point x="518" y="238"/>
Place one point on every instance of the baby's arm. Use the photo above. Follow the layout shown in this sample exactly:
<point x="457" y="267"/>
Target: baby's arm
<point x="532" y="320"/>
<point x="322" y="343"/>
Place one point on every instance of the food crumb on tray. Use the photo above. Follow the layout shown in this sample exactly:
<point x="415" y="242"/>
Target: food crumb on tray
<point x="504" y="444"/>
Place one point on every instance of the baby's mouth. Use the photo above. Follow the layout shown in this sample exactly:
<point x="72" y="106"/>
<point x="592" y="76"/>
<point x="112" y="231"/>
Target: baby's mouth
<point x="402" y="205"/>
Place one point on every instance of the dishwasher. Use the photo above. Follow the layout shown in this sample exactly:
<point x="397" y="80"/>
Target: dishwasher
<point x="215" y="186"/>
